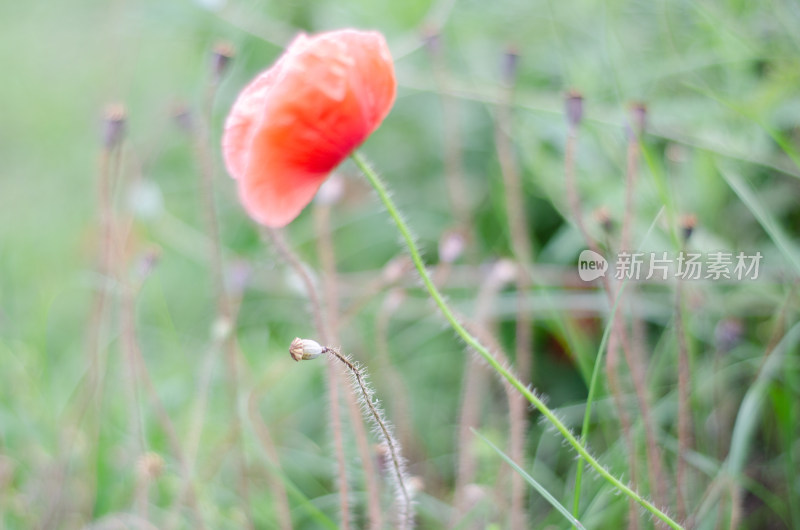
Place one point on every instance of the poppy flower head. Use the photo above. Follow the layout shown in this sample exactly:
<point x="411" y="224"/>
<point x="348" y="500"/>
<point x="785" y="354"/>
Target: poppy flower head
<point x="298" y="120"/>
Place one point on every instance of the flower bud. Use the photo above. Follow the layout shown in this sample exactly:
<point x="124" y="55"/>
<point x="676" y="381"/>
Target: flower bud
<point x="114" y="125"/>
<point x="688" y="222"/>
<point x="509" y="67"/>
<point x="305" y="349"/>
<point x="574" y="108"/>
<point x="603" y="218"/>
<point x="182" y="116"/>
<point x="220" y="58"/>
<point x="432" y="40"/>
<point x="638" y="119"/>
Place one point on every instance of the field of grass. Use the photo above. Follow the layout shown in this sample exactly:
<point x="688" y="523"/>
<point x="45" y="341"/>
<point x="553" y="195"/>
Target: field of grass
<point x="145" y="320"/>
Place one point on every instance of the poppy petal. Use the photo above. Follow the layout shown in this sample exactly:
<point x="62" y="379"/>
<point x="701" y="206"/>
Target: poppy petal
<point x="297" y="121"/>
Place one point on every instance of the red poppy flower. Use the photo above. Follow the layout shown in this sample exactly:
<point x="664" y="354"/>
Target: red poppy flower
<point x="294" y="123"/>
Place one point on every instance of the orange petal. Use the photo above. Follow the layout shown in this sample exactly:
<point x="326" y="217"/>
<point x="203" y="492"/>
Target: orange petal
<point x="296" y="122"/>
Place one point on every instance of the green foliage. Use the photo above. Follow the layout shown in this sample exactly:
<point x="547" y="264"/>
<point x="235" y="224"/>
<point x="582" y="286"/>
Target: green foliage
<point x="720" y="81"/>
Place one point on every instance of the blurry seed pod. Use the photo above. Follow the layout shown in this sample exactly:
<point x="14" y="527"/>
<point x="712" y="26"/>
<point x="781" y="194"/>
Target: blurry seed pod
<point x="688" y="222"/>
<point x="728" y="334"/>
<point x="603" y="218"/>
<point x="114" y="120"/>
<point x="573" y="107"/>
<point x="220" y="58"/>
<point x="182" y="116"/>
<point x="432" y="40"/>
<point x="638" y="118"/>
<point x="510" y="65"/>
<point x="305" y="349"/>
<point x="148" y="261"/>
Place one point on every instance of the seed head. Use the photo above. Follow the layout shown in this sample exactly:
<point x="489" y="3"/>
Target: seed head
<point x="221" y="57"/>
<point x="603" y="218"/>
<point x="510" y="63"/>
<point x="574" y="108"/>
<point x="688" y="223"/>
<point x="114" y="130"/>
<point x="305" y="349"/>
<point x="638" y="118"/>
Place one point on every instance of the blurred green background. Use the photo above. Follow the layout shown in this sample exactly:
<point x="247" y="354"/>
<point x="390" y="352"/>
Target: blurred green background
<point x="722" y="83"/>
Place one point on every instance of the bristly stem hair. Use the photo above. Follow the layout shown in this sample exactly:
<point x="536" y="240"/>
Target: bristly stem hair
<point x="473" y="343"/>
<point x="406" y="509"/>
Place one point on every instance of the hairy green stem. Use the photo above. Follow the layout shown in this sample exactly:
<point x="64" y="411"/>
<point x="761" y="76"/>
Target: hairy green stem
<point x="488" y="357"/>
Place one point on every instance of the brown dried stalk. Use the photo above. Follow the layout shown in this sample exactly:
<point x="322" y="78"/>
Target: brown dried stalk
<point x="202" y="141"/>
<point x="327" y="257"/>
<point x="333" y="375"/>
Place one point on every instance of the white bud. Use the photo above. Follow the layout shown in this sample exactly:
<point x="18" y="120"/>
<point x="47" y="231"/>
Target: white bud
<point x="305" y="349"/>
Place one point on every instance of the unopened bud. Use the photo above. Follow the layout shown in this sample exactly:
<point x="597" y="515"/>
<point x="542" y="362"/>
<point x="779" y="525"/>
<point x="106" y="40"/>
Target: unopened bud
<point x="688" y="223"/>
<point x="728" y="334"/>
<point x="114" y="128"/>
<point x="603" y="218"/>
<point x="432" y="40"/>
<point x="638" y="121"/>
<point x="574" y="108"/>
<point x="510" y="63"/>
<point x="220" y="58"/>
<point x="148" y="261"/>
<point x="183" y="117"/>
<point x="305" y="349"/>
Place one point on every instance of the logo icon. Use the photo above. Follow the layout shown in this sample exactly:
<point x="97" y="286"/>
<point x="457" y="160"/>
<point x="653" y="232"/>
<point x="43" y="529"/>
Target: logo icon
<point x="591" y="265"/>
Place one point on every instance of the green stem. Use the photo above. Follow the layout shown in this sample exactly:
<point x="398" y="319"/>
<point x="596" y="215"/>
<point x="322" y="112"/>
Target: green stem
<point x="488" y="357"/>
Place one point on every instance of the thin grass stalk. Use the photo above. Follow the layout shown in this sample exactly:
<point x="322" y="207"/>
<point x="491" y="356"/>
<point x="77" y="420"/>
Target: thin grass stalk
<point x="202" y="142"/>
<point x="327" y="257"/>
<point x="397" y="390"/>
<point x="141" y="374"/>
<point x="90" y="397"/>
<point x="453" y="167"/>
<point x="684" y="410"/>
<point x="633" y="354"/>
<point x="280" y="499"/>
<point x="334" y="381"/>
<point x="521" y="237"/>
<point x="498" y="367"/>
<point x="574" y="111"/>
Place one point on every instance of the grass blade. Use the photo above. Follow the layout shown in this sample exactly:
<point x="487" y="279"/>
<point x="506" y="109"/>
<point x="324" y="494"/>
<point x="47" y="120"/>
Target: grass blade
<point x="532" y="481"/>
